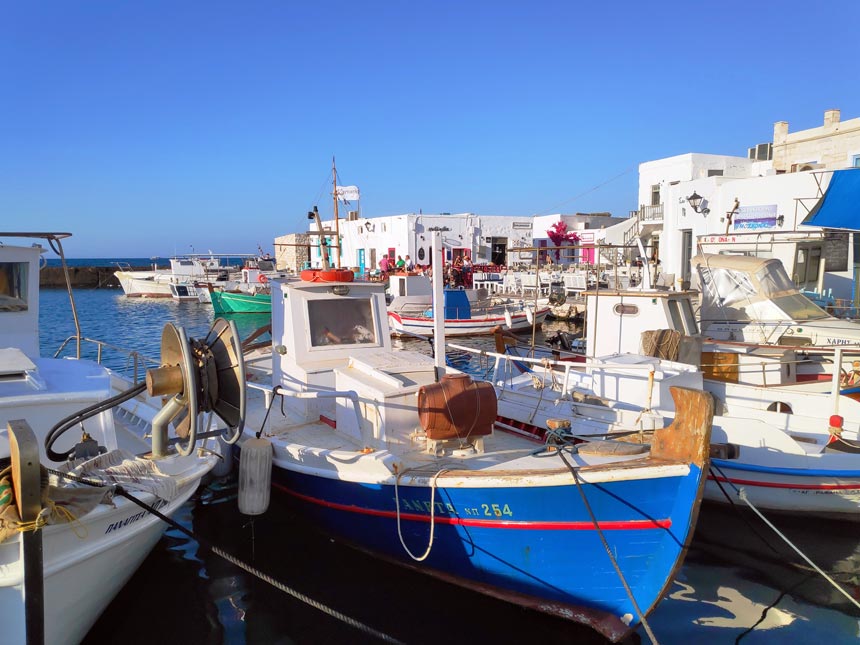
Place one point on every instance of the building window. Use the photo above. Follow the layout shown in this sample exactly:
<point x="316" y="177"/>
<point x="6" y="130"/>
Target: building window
<point x="655" y="195"/>
<point x="855" y="161"/>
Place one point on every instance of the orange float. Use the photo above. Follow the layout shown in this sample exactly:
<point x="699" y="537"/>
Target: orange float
<point x="327" y="275"/>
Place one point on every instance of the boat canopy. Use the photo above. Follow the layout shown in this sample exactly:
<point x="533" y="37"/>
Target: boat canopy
<point x="840" y="205"/>
<point x="742" y="288"/>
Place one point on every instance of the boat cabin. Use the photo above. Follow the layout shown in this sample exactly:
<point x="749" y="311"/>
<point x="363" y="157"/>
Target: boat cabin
<point x="663" y="324"/>
<point x="334" y="336"/>
<point x="19" y="298"/>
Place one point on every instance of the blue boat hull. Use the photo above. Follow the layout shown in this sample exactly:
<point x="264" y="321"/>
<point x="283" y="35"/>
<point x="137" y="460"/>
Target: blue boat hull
<point x="534" y="545"/>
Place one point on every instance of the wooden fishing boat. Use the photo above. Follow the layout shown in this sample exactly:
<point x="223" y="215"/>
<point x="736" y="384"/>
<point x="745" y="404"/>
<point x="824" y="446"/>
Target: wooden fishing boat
<point x="397" y="455"/>
<point x="240" y="302"/>
<point x="791" y="440"/>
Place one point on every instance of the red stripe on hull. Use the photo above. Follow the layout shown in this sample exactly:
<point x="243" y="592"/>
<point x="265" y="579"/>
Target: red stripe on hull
<point x="626" y="525"/>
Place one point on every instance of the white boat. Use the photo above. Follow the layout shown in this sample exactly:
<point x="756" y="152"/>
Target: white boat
<point x="186" y="279"/>
<point x="395" y="454"/>
<point x="467" y="311"/>
<point x="91" y="422"/>
<point x="791" y="444"/>
<point x="752" y="300"/>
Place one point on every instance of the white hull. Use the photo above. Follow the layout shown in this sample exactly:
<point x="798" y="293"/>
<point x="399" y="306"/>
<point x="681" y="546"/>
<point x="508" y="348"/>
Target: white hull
<point x="82" y="575"/>
<point x="480" y="325"/>
<point x="782" y="465"/>
<point x="144" y="284"/>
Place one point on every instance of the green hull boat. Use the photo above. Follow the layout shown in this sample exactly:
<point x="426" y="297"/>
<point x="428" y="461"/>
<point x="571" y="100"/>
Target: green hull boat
<point x="225" y="302"/>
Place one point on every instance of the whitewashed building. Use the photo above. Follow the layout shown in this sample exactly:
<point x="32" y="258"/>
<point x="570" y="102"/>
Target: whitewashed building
<point x="488" y="239"/>
<point x="753" y="205"/>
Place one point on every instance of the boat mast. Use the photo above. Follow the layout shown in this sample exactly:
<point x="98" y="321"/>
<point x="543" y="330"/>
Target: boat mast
<point x="336" y="225"/>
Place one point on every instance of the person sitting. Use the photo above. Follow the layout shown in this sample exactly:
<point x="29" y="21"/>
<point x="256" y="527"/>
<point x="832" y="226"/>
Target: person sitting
<point x="410" y="266"/>
<point x="400" y="264"/>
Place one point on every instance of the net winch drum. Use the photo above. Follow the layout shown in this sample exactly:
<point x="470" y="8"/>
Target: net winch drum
<point x="457" y="408"/>
<point x="197" y="376"/>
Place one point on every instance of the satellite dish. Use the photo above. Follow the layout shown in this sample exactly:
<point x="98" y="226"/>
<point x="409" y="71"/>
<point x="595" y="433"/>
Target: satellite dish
<point x="197" y="376"/>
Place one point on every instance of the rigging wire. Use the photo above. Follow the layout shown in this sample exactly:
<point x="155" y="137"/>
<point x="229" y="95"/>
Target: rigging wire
<point x="590" y="190"/>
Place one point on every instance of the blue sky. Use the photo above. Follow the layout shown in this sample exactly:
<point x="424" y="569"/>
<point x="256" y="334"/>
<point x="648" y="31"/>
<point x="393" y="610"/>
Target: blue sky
<point x="146" y="128"/>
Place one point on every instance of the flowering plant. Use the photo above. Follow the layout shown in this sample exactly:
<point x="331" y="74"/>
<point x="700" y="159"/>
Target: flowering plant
<point x="559" y="236"/>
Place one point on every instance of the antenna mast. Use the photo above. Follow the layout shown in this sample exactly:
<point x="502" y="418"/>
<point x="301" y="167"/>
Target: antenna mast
<point x="336" y="223"/>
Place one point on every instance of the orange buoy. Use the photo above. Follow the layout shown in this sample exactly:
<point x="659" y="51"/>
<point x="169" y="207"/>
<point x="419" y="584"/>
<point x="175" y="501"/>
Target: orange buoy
<point x="262" y="278"/>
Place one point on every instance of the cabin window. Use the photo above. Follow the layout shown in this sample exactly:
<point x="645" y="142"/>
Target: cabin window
<point x="13" y="286"/>
<point x="341" y="321"/>
<point x="625" y="310"/>
<point x="683" y="318"/>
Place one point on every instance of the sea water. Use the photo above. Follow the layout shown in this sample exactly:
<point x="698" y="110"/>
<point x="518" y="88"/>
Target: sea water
<point x="739" y="582"/>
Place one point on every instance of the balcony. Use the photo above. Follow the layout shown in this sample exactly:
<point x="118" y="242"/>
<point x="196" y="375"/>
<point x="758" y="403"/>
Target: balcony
<point x="651" y="213"/>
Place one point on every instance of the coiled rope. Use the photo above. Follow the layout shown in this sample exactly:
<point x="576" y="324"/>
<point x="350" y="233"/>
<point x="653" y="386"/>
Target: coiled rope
<point x="236" y="561"/>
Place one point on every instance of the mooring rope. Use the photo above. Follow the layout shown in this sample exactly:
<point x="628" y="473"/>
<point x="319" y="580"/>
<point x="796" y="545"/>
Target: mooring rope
<point x="575" y="472"/>
<point x="236" y="561"/>
<point x="742" y="495"/>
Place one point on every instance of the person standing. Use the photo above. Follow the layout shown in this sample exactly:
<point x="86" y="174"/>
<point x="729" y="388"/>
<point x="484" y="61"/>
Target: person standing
<point x="467" y="271"/>
<point x="384" y="266"/>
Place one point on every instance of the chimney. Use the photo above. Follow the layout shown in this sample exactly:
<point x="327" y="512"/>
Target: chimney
<point x="831" y="117"/>
<point x="780" y="132"/>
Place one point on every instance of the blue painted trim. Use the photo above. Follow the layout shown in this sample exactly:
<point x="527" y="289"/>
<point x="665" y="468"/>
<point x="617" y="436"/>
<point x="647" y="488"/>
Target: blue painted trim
<point x="796" y="472"/>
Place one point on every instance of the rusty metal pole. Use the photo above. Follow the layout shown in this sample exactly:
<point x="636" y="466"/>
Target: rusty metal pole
<point x="26" y="478"/>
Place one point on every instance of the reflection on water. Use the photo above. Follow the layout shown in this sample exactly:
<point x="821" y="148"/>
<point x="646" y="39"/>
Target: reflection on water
<point x="739" y="583"/>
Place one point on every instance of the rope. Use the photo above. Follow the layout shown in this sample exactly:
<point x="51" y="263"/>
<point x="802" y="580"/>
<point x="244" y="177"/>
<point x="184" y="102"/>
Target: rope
<point x="432" y="514"/>
<point x="237" y="562"/>
<point x="575" y="473"/>
<point x="742" y="495"/>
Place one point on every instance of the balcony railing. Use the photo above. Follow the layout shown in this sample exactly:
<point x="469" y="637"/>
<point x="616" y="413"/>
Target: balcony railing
<point x="650" y="213"/>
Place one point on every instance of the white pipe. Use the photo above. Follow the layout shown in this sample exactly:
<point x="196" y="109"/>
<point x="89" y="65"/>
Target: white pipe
<point x="438" y="268"/>
<point x="837" y="379"/>
<point x="352" y="395"/>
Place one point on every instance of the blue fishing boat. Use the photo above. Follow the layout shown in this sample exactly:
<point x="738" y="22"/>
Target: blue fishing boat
<point x="397" y="454"/>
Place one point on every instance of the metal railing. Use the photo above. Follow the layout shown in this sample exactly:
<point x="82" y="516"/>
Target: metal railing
<point x="135" y="362"/>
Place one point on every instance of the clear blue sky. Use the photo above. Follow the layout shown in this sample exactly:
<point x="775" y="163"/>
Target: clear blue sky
<point x="148" y="127"/>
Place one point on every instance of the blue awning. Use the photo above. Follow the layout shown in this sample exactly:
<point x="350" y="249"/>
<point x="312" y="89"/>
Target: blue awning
<point x="840" y="205"/>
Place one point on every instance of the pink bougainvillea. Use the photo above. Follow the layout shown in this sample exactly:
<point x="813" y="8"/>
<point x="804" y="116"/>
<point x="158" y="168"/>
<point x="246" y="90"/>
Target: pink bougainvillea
<point x="559" y="236"/>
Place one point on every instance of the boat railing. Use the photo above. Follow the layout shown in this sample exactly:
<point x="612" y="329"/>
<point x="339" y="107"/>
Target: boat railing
<point x="131" y="364"/>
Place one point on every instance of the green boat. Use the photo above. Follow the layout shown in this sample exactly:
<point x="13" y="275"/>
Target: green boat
<point x="227" y="302"/>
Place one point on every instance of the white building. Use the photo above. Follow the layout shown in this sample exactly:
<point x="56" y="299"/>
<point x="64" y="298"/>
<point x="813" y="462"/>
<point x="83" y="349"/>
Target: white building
<point x="488" y="239"/>
<point x="753" y="205"/>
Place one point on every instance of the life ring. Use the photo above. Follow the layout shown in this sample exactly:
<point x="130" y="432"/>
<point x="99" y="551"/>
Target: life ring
<point x="262" y="279"/>
<point x="328" y="275"/>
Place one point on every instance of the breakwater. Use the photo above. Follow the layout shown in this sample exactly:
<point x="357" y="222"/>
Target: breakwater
<point x="83" y="277"/>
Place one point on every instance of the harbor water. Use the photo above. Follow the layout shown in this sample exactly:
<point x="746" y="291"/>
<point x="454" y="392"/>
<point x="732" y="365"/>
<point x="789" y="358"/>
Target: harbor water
<point x="740" y="582"/>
